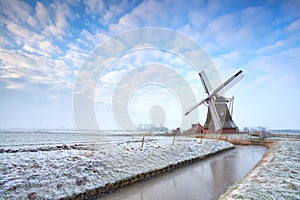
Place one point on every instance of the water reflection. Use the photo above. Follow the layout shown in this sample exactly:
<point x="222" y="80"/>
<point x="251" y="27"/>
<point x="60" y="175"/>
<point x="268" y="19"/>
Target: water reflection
<point x="207" y="179"/>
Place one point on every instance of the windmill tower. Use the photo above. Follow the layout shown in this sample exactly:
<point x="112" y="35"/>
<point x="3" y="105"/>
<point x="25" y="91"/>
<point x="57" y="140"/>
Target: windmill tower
<point x="218" y="117"/>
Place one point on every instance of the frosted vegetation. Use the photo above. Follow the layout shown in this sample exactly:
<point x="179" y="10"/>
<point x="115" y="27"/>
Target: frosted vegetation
<point x="277" y="176"/>
<point x="57" y="165"/>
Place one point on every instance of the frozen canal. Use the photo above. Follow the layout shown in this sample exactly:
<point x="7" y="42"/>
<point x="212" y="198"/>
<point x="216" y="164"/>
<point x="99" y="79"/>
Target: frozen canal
<point x="207" y="179"/>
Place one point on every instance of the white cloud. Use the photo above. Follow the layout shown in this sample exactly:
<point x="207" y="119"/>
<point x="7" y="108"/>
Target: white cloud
<point x="277" y="61"/>
<point x="197" y="18"/>
<point x="103" y="94"/>
<point x="19" y="31"/>
<point x="148" y="13"/>
<point x="31" y="70"/>
<point x="229" y="63"/>
<point x="38" y="31"/>
<point x="10" y="75"/>
<point x="240" y="30"/>
<point x="14" y="86"/>
<point x="45" y="45"/>
<point x="28" y="48"/>
<point x="18" y="12"/>
<point x="294" y="26"/>
<point x="75" y="56"/>
<point x="40" y="38"/>
<point x="42" y="14"/>
<point x="271" y="47"/>
<point x="106" y="13"/>
<point x="48" y="47"/>
<point x="59" y="25"/>
<point x="127" y="22"/>
<point x="91" y="40"/>
<point x="272" y="81"/>
<point x="94" y="7"/>
<point x="113" y="76"/>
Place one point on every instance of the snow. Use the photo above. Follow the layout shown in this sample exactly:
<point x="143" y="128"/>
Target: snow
<point x="51" y="165"/>
<point x="276" y="177"/>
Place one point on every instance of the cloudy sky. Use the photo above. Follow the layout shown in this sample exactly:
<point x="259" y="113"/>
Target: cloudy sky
<point x="44" y="45"/>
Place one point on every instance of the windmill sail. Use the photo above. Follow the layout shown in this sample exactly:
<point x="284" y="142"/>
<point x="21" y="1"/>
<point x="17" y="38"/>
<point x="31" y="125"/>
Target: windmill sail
<point x="206" y="85"/>
<point x="229" y="83"/>
<point x="214" y="115"/>
<point x="195" y="106"/>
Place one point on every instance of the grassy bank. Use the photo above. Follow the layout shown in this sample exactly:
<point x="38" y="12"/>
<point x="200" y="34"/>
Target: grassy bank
<point x="276" y="176"/>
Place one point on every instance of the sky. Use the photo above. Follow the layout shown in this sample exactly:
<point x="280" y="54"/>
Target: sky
<point x="45" y="45"/>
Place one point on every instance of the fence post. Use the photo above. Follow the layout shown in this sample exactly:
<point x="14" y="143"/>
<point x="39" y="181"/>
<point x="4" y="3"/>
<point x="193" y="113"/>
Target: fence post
<point x="143" y="140"/>
<point x="173" y="139"/>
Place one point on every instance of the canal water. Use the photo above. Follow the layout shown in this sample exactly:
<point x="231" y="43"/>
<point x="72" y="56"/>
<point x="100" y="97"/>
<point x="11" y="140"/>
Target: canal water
<point x="206" y="179"/>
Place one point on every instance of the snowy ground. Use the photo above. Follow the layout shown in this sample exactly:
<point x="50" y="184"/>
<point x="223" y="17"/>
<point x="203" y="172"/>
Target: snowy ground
<point x="57" y="165"/>
<point x="276" y="177"/>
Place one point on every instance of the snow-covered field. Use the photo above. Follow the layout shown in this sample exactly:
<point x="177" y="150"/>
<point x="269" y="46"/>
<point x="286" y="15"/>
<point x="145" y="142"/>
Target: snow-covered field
<point x="276" y="177"/>
<point x="57" y="165"/>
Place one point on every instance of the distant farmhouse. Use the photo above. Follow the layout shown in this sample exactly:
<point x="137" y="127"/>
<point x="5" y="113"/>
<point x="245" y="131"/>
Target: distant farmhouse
<point x="196" y="128"/>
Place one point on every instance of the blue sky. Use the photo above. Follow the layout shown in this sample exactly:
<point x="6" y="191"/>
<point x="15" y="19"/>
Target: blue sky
<point x="45" y="43"/>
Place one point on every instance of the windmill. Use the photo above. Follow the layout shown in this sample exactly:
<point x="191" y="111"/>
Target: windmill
<point x="218" y="116"/>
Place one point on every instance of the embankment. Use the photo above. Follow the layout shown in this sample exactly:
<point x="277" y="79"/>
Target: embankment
<point x="276" y="176"/>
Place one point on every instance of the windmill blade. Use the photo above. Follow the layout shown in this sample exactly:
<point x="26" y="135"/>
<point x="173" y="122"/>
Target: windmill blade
<point x="232" y="102"/>
<point x="229" y="83"/>
<point x="195" y="106"/>
<point x="206" y="85"/>
<point x="214" y="115"/>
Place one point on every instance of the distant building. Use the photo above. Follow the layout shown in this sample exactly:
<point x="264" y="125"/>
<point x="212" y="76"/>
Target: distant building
<point x="196" y="128"/>
<point x="152" y="128"/>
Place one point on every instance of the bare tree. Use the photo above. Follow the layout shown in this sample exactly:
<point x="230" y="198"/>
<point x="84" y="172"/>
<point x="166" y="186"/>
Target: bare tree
<point x="246" y="129"/>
